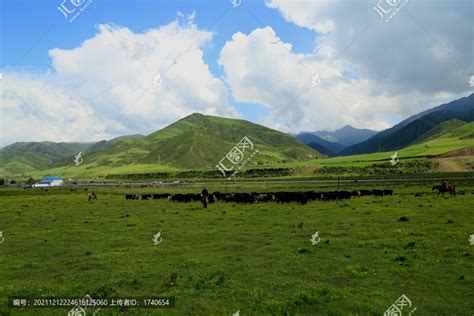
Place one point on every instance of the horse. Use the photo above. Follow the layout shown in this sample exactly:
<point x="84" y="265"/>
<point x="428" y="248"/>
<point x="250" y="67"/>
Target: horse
<point x="92" y="196"/>
<point x="442" y="189"/>
<point x="204" y="201"/>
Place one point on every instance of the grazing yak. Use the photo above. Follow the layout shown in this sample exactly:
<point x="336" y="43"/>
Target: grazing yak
<point x="279" y="197"/>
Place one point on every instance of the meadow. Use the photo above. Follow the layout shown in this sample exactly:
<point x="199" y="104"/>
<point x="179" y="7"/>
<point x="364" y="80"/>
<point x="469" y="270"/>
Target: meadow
<point x="254" y="258"/>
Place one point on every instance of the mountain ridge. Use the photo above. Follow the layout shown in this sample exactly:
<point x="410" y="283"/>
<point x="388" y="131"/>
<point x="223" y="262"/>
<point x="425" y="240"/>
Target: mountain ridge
<point x="195" y="141"/>
<point x="346" y="135"/>
<point x="387" y="140"/>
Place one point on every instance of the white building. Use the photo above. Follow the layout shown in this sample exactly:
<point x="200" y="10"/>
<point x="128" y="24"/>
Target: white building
<point x="49" y="182"/>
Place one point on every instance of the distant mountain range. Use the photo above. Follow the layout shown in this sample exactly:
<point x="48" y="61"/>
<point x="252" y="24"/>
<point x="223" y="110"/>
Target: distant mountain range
<point x="409" y="130"/>
<point x="331" y="143"/>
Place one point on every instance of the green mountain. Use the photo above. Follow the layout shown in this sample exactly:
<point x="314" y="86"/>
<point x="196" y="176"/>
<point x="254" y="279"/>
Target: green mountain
<point x="200" y="141"/>
<point x="26" y="156"/>
<point x="407" y="131"/>
<point x="105" y="144"/>
<point x="452" y="141"/>
<point x="194" y="142"/>
<point x="439" y="130"/>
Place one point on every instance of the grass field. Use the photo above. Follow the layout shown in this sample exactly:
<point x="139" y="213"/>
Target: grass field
<point x="457" y="139"/>
<point x="254" y="258"/>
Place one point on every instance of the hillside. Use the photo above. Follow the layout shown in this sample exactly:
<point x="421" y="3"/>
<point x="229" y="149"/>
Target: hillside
<point x="105" y="144"/>
<point x="451" y="152"/>
<point x="26" y="156"/>
<point x="439" y="130"/>
<point x="200" y="141"/>
<point x="321" y="145"/>
<point x="414" y="127"/>
<point x="194" y="142"/>
<point x="23" y="157"/>
<point x="451" y="141"/>
<point x="323" y="150"/>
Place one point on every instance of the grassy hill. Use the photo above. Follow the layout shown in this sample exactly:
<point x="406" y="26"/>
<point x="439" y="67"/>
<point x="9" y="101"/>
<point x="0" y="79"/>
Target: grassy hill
<point x="24" y="157"/>
<point x="194" y="142"/>
<point x="200" y="141"/>
<point x="439" y="130"/>
<point x="27" y="156"/>
<point x="423" y="157"/>
<point x="407" y="131"/>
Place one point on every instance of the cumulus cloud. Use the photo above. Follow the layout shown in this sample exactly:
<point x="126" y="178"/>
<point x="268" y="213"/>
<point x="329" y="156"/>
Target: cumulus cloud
<point x="105" y="87"/>
<point x="426" y="47"/>
<point x="261" y="72"/>
<point x="370" y="71"/>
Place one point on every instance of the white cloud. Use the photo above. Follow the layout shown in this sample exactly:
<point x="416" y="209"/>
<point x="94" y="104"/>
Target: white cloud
<point x="305" y="13"/>
<point x="110" y="76"/>
<point x="395" y="67"/>
<point x="281" y="80"/>
<point x="427" y="47"/>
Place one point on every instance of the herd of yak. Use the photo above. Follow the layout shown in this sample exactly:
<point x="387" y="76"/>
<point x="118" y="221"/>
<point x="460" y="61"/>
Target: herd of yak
<point x="279" y="197"/>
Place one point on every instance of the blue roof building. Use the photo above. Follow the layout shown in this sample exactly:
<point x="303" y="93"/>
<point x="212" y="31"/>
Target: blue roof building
<point x="49" y="182"/>
<point x="50" y="179"/>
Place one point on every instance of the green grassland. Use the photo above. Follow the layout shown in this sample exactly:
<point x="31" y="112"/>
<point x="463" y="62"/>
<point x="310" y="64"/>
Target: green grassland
<point x="254" y="258"/>
<point x="197" y="143"/>
<point x="455" y="139"/>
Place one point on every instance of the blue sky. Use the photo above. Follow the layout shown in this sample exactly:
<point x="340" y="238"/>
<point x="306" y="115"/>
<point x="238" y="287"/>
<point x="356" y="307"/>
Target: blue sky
<point x="23" y="23"/>
<point x="257" y="63"/>
<point x="30" y="30"/>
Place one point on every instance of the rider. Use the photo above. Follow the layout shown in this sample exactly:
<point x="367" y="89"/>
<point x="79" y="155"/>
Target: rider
<point x="444" y="184"/>
<point x="204" y="197"/>
<point x="93" y="196"/>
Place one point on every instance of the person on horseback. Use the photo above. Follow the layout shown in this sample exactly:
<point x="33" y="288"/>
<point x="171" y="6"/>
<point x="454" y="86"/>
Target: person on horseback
<point x="444" y="185"/>
<point x="92" y="196"/>
<point x="204" y="197"/>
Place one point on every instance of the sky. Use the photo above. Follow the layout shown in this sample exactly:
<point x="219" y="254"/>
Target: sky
<point x="87" y="70"/>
